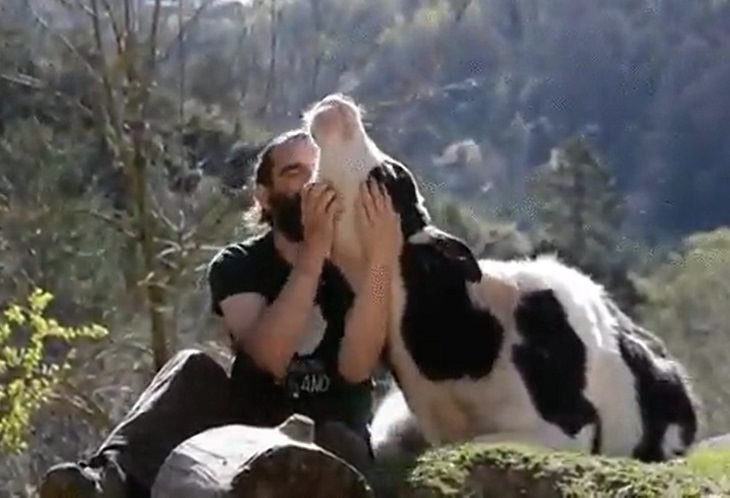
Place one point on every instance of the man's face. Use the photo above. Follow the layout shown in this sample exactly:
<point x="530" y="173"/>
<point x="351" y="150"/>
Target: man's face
<point x="294" y="164"/>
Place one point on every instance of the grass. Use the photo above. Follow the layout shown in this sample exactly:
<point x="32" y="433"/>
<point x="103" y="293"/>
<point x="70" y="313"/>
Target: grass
<point x="516" y="470"/>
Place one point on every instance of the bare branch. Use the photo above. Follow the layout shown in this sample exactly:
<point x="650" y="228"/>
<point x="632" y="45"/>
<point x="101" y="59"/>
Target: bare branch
<point x="119" y="344"/>
<point x="459" y="9"/>
<point x="36" y="84"/>
<point x="189" y="24"/>
<point x="216" y="211"/>
<point x="66" y="42"/>
<point x="172" y="248"/>
<point x="77" y="6"/>
<point x="109" y="111"/>
<point x="183" y="222"/>
<point x="159" y="214"/>
<point x="24" y="80"/>
<point x="127" y="17"/>
<point x="271" y="77"/>
<point x="111" y="115"/>
<point x="153" y="43"/>
<point x="117" y="224"/>
<point x="74" y="397"/>
<point x="115" y="26"/>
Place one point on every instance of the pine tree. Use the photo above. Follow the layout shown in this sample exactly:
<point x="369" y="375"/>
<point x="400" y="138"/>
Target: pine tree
<point x="579" y="215"/>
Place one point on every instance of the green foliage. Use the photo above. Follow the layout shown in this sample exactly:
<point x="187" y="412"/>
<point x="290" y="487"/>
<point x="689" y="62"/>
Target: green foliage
<point x="28" y="378"/>
<point x="687" y="300"/>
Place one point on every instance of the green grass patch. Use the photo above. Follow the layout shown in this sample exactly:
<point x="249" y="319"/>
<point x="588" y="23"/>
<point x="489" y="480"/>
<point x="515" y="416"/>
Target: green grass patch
<point x="711" y="463"/>
<point x="515" y="470"/>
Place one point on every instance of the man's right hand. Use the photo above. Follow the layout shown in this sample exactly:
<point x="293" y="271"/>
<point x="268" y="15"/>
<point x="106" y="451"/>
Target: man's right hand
<point x="320" y="209"/>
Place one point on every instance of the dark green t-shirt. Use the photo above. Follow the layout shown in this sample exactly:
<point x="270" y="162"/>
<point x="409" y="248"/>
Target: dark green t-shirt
<point x="313" y="382"/>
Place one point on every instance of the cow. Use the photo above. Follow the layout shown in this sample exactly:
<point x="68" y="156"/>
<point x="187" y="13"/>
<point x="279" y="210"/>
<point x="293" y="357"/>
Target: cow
<point x="530" y="350"/>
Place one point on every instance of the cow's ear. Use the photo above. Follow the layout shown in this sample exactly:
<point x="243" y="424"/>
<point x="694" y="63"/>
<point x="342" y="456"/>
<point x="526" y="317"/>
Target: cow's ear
<point x="453" y="249"/>
<point x="401" y="185"/>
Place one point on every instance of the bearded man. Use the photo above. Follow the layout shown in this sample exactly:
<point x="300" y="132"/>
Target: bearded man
<point x="303" y="339"/>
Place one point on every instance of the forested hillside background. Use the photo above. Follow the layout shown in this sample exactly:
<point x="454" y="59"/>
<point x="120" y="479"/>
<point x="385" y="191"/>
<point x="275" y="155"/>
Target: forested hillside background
<point x="595" y="129"/>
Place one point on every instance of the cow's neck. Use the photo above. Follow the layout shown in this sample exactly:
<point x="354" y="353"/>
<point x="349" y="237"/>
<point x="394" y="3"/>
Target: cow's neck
<point x="346" y="166"/>
<point x="350" y="162"/>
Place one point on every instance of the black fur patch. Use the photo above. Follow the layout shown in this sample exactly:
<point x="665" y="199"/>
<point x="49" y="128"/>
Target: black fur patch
<point x="445" y="334"/>
<point x="401" y="185"/>
<point x="662" y="397"/>
<point x="552" y="363"/>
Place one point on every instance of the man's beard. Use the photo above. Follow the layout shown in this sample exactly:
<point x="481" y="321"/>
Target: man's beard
<point x="286" y="214"/>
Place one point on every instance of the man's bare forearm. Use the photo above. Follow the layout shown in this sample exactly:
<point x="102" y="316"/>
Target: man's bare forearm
<point x="274" y="340"/>
<point x="367" y="325"/>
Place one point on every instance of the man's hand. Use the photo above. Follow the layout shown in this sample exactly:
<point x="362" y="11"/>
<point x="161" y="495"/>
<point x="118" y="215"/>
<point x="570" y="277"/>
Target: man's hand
<point x="320" y="209"/>
<point x="271" y="334"/>
<point x="366" y="326"/>
<point x="378" y="224"/>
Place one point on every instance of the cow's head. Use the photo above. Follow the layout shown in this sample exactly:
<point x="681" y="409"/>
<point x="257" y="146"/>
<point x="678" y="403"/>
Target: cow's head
<point x="335" y="122"/>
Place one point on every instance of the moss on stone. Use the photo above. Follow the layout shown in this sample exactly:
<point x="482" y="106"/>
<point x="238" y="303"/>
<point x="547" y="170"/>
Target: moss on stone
<point x="516" y="470"/>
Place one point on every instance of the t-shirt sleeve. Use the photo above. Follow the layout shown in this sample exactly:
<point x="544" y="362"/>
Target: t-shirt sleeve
<point x="233" y="271"/>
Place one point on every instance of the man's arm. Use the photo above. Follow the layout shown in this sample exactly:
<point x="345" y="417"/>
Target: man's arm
<point x="271" y="334"/>
<point x="366" y="327"/>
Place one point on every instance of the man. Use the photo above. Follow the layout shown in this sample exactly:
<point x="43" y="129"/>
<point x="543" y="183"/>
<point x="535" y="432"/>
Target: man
<point x="304" y="341"/>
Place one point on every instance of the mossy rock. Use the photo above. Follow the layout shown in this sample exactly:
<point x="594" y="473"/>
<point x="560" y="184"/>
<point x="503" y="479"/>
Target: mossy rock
<point x="506" y="471"/>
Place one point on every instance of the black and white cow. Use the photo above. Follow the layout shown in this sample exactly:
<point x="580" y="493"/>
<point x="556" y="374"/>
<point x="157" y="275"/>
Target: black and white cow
<point x="529" y="351"/>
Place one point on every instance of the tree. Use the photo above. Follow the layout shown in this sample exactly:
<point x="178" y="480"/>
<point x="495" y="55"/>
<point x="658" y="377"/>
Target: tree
<point x="118" y="47"/>
<point x="579" y="216"/>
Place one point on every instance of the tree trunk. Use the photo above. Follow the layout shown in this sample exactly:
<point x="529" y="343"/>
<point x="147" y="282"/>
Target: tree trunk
<point x="145" y="230"/>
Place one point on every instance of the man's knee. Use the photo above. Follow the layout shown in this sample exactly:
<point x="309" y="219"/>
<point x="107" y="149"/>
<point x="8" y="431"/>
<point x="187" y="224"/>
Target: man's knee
<point x="193" y="361"/>
<point x="192" y="374"/>
<point x="188" y="379"/>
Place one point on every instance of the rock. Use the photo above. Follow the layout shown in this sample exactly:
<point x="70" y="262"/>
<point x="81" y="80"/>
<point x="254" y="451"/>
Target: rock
<point x="243" y="461"/>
